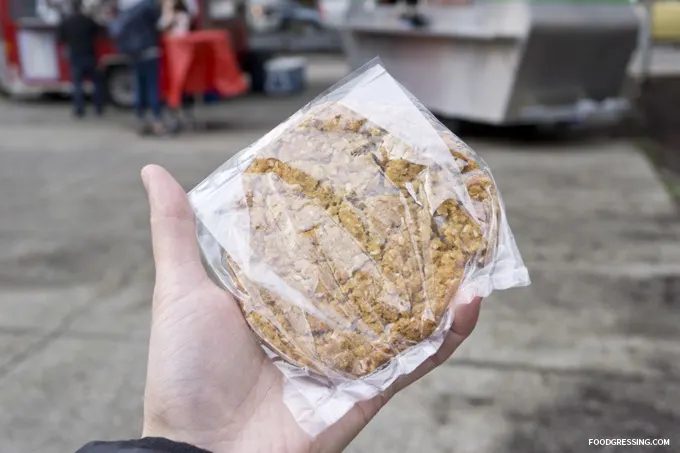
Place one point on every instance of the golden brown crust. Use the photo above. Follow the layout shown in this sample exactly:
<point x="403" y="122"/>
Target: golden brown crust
<point x="365" y="268"/>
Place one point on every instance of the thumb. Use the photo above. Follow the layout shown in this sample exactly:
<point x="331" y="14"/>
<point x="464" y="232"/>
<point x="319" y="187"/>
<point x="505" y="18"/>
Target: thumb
<point x="173" y="229"/>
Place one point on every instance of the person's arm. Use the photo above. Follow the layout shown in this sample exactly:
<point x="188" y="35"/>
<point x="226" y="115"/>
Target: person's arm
<point x="62" y="30"/>
<point x="166" y="21"/>
<point x="192" y="8"/>
<point x="182" y="22"/>
<point x="95" y="28"/>
<point x="156" y="14"/>
<point x="92" y="24"/>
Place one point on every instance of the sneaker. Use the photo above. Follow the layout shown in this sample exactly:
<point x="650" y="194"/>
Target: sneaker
<point x="175" y="126"/>
<point x="158" y="129"/>
<point x="192" y="124"/>
<point x="143" y="128"/>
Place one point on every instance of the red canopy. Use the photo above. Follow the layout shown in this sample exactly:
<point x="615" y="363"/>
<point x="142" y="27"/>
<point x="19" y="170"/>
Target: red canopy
<point x="201" y="62"/>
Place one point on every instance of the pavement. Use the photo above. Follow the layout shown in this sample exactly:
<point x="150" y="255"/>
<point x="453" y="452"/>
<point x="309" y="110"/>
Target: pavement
<point x="590" y="350"/>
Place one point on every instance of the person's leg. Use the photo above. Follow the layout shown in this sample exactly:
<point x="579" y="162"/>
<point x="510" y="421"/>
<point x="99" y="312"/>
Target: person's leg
<point x="182" y="117"/>
<point x="77" y="78"/>
<point x="139" y="80"/>
<point x="152" y="75"/>
<point x="188" y="105"/>
<point x="174" y="124"/>
<point x="98" y="88"/>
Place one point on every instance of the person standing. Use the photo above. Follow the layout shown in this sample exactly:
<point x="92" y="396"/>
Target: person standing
<point x="176" y="22"/>
<point x="176" y="19"/>
<point x="79" y="33"/>
<point x="135" y="32"/>
<point x="52" y="11"/>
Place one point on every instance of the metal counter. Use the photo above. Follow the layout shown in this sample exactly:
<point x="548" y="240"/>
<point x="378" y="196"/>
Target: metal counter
<point x="503" y="63"/>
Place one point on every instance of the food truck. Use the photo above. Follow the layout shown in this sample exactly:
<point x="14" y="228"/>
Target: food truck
<point x="33" y="62"/>
<point x="552" y="62"/>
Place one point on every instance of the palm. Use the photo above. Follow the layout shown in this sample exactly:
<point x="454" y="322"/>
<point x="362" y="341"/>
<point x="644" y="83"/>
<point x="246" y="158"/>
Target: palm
<point x="209" y="383"/>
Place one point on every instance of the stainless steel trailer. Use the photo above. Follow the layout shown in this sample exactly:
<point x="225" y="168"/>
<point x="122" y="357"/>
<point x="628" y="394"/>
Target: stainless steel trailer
<point x="512" y="62"/>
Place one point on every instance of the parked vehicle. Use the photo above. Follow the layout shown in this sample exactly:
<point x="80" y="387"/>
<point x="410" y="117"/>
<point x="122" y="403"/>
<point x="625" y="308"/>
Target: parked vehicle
<point x="295" y="16"/>
<point x="33" y="62"/>
<point x="333" y="12"/>
<point x="282" y="16"/>
<point x="260" y="16"/>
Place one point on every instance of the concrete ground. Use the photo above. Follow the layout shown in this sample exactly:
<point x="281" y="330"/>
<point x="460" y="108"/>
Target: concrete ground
<point x="590" y="350"/>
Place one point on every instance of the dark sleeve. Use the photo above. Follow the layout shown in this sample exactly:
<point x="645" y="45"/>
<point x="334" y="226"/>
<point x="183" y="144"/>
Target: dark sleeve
<point x="146" y="445"/>
<point x="95" y="28"/>
<point x="156" y="14"/>
<point x="61" y="31"/>
<point x="155" y="11"/>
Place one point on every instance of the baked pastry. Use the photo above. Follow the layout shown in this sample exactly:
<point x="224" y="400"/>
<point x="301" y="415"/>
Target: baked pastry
<point x="358" y="245"/>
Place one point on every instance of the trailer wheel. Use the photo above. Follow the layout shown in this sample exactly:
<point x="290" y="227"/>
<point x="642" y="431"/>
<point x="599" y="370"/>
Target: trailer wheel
<point x="120" y="86"/>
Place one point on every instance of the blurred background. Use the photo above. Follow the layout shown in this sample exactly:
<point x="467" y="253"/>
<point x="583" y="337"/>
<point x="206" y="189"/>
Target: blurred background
<point x="575" y="105"/>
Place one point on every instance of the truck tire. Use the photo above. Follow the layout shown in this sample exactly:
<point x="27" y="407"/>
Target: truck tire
<point x="120" y="86"/>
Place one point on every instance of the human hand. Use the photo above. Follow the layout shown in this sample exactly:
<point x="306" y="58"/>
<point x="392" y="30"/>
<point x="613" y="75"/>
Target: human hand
<point x="208" y="381"/>
<point x="167" y="5"/>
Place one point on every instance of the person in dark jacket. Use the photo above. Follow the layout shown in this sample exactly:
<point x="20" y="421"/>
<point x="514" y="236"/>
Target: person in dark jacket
<point x="210" y="387"/>
<point x="79" y="33"/>
<point x="136" y="35"/>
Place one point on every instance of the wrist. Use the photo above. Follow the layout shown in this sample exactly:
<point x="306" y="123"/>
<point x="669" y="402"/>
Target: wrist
<point x="206" y="441"/>
<point x="143" y="445"/>
<point x="214" y="442"/>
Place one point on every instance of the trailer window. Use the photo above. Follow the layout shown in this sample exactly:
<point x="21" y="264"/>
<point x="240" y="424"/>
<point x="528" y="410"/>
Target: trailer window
<point x="21" y="9"/>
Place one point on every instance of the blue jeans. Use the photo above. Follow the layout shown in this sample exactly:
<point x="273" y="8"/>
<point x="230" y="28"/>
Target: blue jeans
<point x="146" y="73"/>
<point x="81" y="70"/>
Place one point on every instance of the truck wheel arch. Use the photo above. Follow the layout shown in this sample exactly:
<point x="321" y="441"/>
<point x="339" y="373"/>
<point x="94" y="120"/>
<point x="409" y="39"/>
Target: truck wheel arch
<point x="118" y="80"/>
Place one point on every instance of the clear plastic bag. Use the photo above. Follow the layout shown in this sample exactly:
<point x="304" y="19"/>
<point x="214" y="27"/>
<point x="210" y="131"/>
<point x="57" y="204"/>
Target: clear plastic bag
<point x="348" y="234"/>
